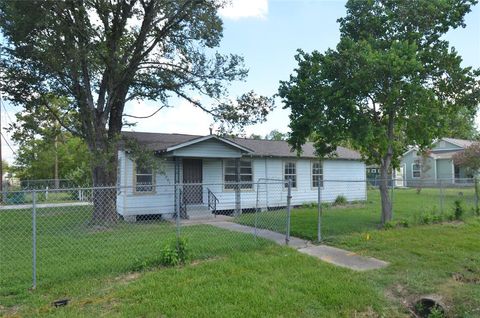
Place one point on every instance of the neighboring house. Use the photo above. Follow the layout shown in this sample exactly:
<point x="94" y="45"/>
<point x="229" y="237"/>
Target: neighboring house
<point x="437" y="165"/>
<point x="211" y="163"/>
<point x="373" y="176"/>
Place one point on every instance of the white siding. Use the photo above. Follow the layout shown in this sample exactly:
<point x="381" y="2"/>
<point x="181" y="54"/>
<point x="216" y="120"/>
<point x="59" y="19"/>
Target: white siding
<point x="270" y="193"/>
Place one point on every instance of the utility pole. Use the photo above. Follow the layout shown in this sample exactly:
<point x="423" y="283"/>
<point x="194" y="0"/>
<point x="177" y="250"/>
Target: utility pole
<point x="1" y="161"/>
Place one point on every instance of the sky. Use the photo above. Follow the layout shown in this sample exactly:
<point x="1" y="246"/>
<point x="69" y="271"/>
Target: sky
<point x="267" y="33"/>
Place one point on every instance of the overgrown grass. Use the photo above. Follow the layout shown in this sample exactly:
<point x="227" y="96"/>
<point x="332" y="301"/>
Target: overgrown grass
<point x="439" y="259"/>
<point x="408" y="206"/>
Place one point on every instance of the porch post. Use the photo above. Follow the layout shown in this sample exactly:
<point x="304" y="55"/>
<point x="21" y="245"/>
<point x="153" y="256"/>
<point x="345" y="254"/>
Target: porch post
<point x="238" y="206"/>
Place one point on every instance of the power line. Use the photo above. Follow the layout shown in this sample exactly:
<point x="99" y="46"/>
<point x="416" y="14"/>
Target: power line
<point x="8" y="144"/>
<point x="5" y="109"/>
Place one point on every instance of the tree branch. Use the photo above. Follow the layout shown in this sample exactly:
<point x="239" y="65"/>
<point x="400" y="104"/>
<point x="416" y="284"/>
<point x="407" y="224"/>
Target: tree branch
<point x="143" y="117"/>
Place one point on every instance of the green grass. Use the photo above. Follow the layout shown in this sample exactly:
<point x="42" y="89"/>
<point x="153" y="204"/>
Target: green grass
<point x="364" y="216"/>
<point x="441" y="259"/>
<point x="233" y="274"/>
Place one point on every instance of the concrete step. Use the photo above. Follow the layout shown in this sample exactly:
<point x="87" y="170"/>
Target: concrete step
<point x="198" y="212"/>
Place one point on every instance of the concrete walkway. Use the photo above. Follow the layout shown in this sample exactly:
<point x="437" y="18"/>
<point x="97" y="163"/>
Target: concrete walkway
<point x="325" y="253"/>
<point x="343" y="258"/>
<point x="43" y="205"/>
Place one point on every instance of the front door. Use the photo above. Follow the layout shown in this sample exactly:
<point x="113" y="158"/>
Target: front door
<point x="192" y="173"/>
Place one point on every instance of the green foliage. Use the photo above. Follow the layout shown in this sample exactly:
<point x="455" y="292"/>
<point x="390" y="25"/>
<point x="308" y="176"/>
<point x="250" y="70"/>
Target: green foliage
<point x="340" y="200"/>
<point x="98" y="55"/>
<point x="469" y="158"/>
<point x="276" y="135"/>
<point x="174" y="253"/>
<point x="392" y="64"/>
<point x="458" y="210"/>
<point x="396" y="224"/>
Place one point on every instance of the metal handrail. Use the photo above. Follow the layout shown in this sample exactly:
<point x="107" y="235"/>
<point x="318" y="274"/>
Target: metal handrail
<point x="212" y="201"/>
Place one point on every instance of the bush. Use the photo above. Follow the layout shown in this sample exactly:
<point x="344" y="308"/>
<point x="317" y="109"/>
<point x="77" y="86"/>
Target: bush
<point x="458" y="210"/>
<point x="173" y="253"/>
<point x="340" y="200"/>
<point x="429" y="218"/>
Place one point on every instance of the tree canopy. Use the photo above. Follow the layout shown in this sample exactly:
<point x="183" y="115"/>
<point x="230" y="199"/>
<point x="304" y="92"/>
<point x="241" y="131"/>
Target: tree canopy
<point x="100" y="55"/>
<point x="391" y="82"/>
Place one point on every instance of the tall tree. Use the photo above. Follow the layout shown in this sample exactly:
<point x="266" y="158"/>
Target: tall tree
<point x="46" y="150"/>
<point x="391" y="82"/>
<point x="276" y="135"/>
<point x="101" y="54"/>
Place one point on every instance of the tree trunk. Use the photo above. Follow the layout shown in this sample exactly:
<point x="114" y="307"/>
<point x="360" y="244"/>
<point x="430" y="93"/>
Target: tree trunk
<point x="104" y="172"/>
<point x="384" y="193"/>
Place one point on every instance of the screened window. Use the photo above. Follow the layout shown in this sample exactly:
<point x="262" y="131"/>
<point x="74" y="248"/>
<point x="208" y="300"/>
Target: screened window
<point x="317" y="174"/>
<point x="144" y="179"/>
<point x="290" y="172"/>
<point x="416" y="170"/>
<point x="230" y="174"/>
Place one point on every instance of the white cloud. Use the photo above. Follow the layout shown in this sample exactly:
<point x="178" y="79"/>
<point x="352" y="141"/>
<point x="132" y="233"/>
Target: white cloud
<point x="239" y="9"/>
<point x="182" y="118"/>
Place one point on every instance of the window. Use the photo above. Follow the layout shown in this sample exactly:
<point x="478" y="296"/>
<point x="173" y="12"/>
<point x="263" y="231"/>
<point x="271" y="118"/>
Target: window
<point x="290" y="172"/>
<point x="230" y="174"/>
<point x="144" y="179"/>
<point x="317" y="174"/>
<point x="416" y="170"/>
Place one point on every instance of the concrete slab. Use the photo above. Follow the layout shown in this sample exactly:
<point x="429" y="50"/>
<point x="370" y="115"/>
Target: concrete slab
<point x="325" y="253"/>
<point x="278" y="238"/>
<point x="343" y="258"/>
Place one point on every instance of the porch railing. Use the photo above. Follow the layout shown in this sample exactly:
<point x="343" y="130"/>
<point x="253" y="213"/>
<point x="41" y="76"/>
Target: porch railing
<point x="212" y="201"/>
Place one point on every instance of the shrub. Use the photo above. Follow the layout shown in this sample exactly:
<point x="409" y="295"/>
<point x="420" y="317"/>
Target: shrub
<point x="389" y="225"/>
<point x="173" y="253"/>
<point x="340" y="200"/>
<point x="458" y="210"/>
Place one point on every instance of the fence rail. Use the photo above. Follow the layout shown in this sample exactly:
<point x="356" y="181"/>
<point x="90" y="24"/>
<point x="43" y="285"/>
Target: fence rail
<point x="50" y="235"/>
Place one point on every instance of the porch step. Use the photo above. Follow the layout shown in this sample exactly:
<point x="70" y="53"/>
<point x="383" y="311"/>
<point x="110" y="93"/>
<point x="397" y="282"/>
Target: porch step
<point x="198" y="212"/>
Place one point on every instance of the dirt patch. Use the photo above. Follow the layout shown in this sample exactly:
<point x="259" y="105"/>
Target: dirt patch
<point x="99" y="229"/>
<point x="469" y="276"/>
<point x="127" y="278"/>
<point x="9" y="311"/>
<point x="202" y="261"/>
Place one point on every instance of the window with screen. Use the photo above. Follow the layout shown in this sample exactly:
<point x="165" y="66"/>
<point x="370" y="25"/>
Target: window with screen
<point x="290" y="172"/>
<point x="230" y="174"/>
<point x="144" y="179"/>
<point x="416" y="170"/>
<point x="317" y="174"/>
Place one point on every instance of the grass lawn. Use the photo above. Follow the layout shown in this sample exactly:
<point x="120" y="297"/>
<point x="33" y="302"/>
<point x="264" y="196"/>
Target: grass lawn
<point x="364" y="216"/>
<point x="232" y="274"/>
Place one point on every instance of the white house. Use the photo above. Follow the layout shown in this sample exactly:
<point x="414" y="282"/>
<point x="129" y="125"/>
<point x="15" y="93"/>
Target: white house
<point x="214" y="174"/>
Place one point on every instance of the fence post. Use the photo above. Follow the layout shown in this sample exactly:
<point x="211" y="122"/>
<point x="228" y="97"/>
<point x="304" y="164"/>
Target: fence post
<point x="177" y="215"/>
<point x="289" y="207"/>
<point x="34" y="239"/>
<point x="391" y="195"/>
<point x="441" y="195"/>
<point x="319" y="207"/>
<point x="477" y="209"/>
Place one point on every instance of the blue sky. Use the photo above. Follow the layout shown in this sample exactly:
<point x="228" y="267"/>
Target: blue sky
<point x="268" y="33"/>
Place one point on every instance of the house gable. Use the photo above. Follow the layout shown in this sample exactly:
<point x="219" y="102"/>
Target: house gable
<point x="209" y="148"/>
<point x="445" y="145"/>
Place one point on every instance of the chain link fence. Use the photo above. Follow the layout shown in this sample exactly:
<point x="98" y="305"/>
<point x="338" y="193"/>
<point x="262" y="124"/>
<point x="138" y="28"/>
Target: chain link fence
<point x="46" y="238"/>
<point x="54" y="236"/>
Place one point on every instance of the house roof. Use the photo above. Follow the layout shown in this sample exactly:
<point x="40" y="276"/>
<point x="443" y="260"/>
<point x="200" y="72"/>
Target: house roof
<point x="460" y="142"/>
<point x="264" y="148"/>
